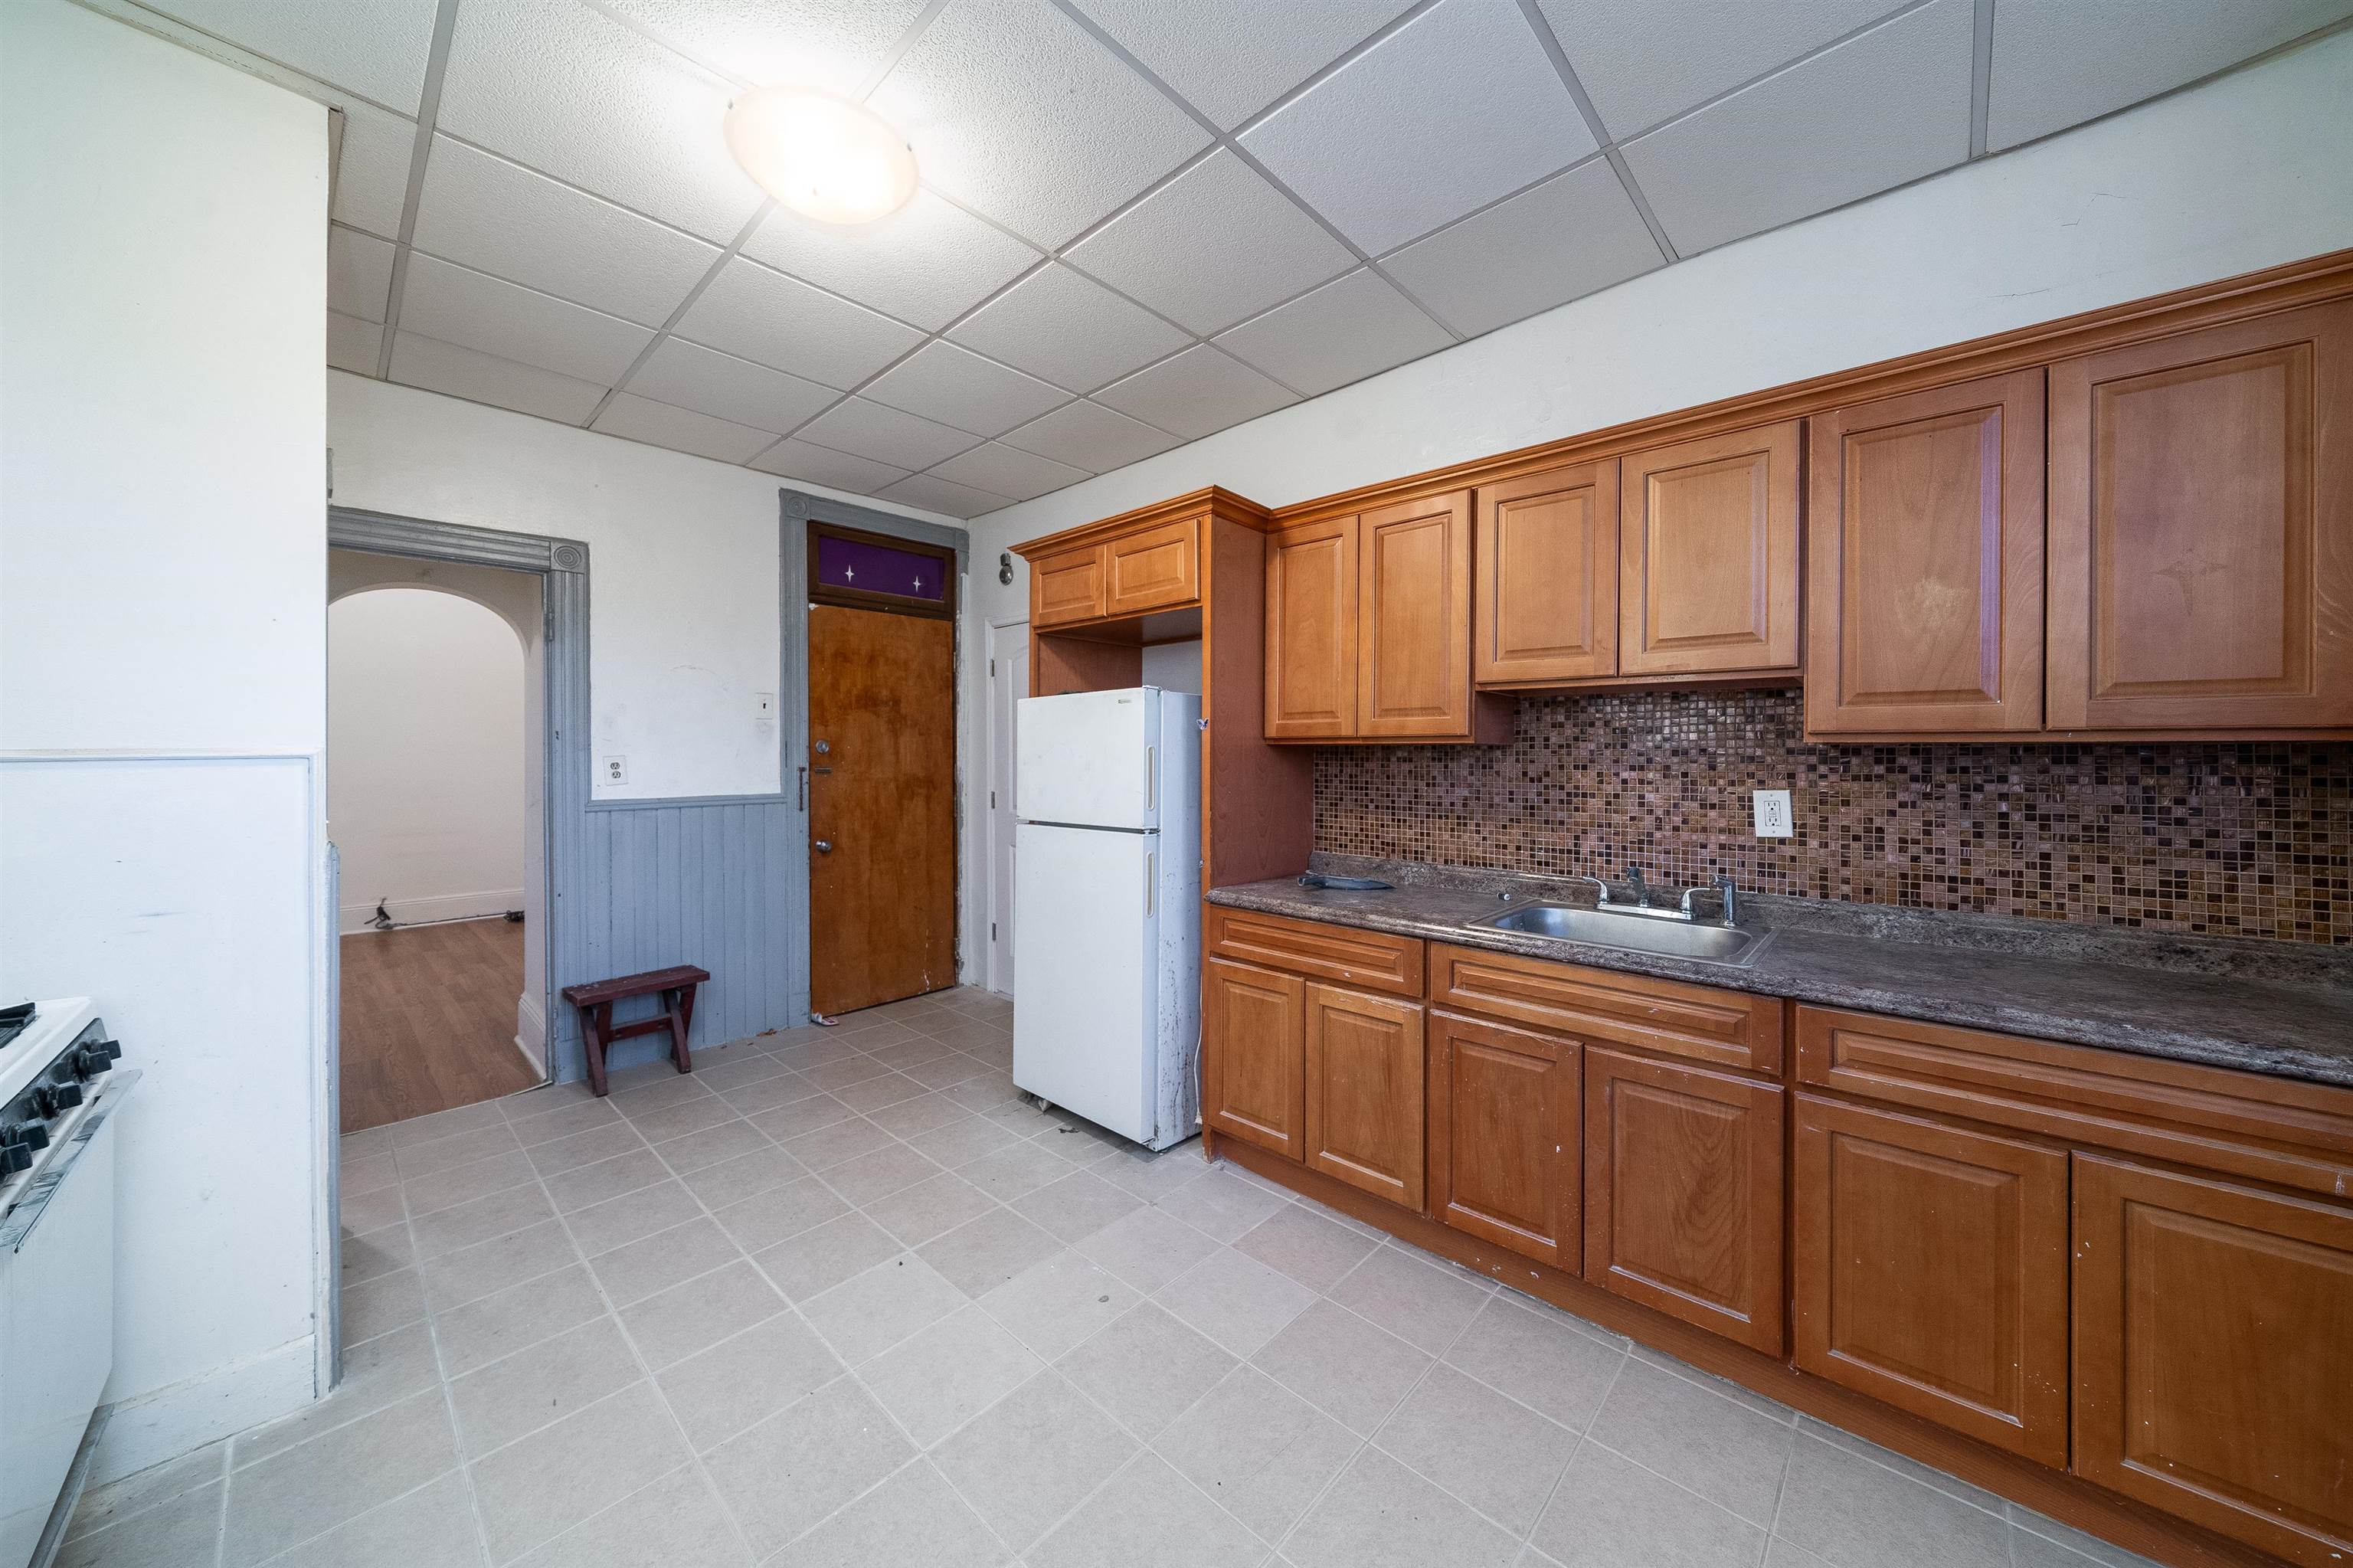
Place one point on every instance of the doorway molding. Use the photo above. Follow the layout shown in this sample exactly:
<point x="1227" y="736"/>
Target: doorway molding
<point x="1000" y="634"/>
<point x="797" y="510"/>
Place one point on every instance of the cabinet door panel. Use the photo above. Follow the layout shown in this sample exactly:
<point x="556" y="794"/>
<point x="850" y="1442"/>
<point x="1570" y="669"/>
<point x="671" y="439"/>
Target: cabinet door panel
<point x="1413" y="633"/>
<point x="1931" y="1271"/>
<point x="1365" y="1085"/>
<point x="1067" y="588"/>
<point x="1310" y="631"/>
<point x="1154" y="568"/>
<point x="1252" y="1037"/>
<point x="2201" y="529"/>
<point x="2211" y="1372"/>
<point x="1548" y="576"/>
<point x="1708" y="555"/>
<point x="1924" y="559"/>
<point x="1505" y="1133"/>
<point x="1683" y="1193"/>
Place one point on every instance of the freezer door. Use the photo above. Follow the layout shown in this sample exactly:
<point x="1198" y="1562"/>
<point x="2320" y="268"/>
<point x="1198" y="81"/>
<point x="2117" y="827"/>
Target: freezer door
<point x="1086" y="944"/>
<point x="1090" y="758"/>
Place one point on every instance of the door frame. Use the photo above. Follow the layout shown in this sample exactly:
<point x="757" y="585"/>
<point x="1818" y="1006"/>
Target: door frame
<point x="994" y="640"/>
<point x="797" y="510"/>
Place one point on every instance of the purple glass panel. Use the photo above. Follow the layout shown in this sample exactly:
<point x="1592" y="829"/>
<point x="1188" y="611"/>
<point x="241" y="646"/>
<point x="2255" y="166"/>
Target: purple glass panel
<point x="879" y="568"/>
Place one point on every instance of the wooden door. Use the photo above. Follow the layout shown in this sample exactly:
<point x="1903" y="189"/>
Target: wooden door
<point x="1413" y="617"/>
<point x="1546" y="574"/>
<point x="1365" y="1084"/>
<point x="1707" y="553"/>
<point x="882" y="820"/>
<point x="1930" y="1266"/>
<point x="1252" y="1054"/>
<point x="1310" y="631"/>
<point x="1069" y="586"/>
<point x="1153" y="567"/>
<point x="2201" y="529"/>
<point x="2213" y="1377"/>
<point x="1683" y="1193"/>
<point x="1506" y="1134"/>
<point x="1924" y="561"/>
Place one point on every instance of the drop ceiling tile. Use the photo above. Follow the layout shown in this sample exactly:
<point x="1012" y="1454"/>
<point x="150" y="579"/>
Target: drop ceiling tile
<point x="2057" y="63"/>
<point x="885" y="435"/>
<point x="1008" y="471"/>
<point x="958" y="387"/>
<point x="934" y="494"/>
<point x="1642" y="60"/>
<point x="829" y="44"/>
<point x="1214" y="246"/>
<point x="1196" y="394"/>
<point x="681" y="430"/>
<point x="927" y="263"/>
<point x="1068" y="329"/>
<point x="481" y="377"/>
<point x="1351" y="328"/>
<point x="822" y="465"/>
<point x="1574" y="234"/>
<point x="458" y="306"/>
<point x="727" y="387"/>
<point x="372" y="172"/>
<point x="359" y="273"/>
<point x="354" y="345"/>
<point x="1884" y="107"/>
<point x="377" y="49"/>
<point x="761" y="314"/>
<point x="1091" y="437"/>
<point x="555" y="85"/>
<point x="1016" y="111"/>
<point x="1232" y="57"/>
<point x="1450" y="112"/>
<point x="499" y="217"/>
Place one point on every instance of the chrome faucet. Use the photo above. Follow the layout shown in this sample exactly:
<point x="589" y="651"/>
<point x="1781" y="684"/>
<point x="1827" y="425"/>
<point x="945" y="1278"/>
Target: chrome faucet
<point x="1641" y="888"/>
<point x="1727" y="896"/>
<point x="1601" y="887"/>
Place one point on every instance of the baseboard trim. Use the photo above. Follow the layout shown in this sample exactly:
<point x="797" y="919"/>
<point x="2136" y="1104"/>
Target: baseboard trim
<point x="425" y="911"/>
<point x="170" y="1421"/>
<point x="531" y="1033"/>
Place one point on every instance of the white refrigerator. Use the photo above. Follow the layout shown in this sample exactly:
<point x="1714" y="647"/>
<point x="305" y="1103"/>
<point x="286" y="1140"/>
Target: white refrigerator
<point x="1106" y="908"/>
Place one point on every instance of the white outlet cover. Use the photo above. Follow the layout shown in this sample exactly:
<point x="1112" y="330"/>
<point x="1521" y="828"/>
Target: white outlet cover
<point x="1775" y="819"/>
<point x="616" y="770"/>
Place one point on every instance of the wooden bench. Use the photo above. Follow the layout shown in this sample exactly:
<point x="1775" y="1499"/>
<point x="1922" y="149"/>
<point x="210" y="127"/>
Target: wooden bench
<point x="675" y="987"/>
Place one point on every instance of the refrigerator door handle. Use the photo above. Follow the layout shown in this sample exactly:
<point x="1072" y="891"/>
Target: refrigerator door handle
<point x="1150" y="778"/>
<point x="1151" y="877"/>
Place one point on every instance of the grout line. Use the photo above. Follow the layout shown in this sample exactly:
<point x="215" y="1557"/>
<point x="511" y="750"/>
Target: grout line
<point x="662" y="332"/>
<point x="428" y="110"/>
<point x="1547" y="40"/>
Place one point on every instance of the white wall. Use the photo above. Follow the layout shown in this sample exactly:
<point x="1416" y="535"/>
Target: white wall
<point x="163" y="290"/>
<point x="682" y="558"/>
<point x="425" y="756"/>
<point x="2249" y="171"/>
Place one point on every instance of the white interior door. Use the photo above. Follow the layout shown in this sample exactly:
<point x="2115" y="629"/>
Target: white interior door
<point x="1008" y="678"/>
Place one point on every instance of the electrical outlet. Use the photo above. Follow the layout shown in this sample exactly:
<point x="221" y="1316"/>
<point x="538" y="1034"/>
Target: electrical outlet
<point x="1774" y="818"/>
<point x="616" y="770"/>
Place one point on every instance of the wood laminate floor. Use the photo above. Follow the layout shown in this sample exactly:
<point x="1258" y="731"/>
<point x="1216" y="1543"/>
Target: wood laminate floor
<point x="429" y="1020"/>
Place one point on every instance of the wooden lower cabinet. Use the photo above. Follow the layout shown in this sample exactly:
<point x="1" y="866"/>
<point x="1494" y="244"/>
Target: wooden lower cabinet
<point x="1252" y="1024"/>
<point x="1506" y="1132"/>
<point x="1683" y="1193"/>
<point x="1364" y="1091"/>
<point x="2213" y="1349"/>
<point x="1930" y="1270"/>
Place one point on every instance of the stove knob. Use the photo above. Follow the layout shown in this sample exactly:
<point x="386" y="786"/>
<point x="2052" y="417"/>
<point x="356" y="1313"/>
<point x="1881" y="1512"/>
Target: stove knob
<point x="26" y="1135"/>
<point x="14" y="1156"/>
<point x="55" y="1097"/>
<point x="91" y="1063"/>
<point x="112" y="1049"/>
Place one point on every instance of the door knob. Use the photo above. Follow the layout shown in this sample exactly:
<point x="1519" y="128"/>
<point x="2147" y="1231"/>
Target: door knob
<point x="823" y="846"/>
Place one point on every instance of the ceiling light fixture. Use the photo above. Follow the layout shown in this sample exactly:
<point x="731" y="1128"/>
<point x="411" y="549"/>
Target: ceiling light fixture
<point x="825" y="158"/>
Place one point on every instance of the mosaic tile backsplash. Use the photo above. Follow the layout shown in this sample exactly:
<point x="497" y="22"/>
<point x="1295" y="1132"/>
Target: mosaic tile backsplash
<point x="2244" y="840"/>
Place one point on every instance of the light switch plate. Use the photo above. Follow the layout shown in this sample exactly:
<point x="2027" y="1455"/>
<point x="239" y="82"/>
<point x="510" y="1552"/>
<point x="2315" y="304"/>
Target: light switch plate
<point x="616" y="770"/>
<point x="764" y="704"/>
<point x="1774" y="818"/>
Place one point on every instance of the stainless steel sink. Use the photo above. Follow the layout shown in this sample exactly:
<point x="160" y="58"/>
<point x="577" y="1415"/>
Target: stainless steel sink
<point x="1637" y="933"/>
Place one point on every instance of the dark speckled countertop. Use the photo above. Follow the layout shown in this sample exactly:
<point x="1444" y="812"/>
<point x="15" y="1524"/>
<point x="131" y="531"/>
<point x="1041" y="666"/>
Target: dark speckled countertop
<point x="2281" y="1008"/>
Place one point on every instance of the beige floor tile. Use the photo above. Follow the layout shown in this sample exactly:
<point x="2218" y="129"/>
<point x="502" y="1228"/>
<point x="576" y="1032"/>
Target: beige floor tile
<point x="1019" y="1168"/>
<point x="981" y="1255"/>
<point x="867" y="1314"/>
<point x="1052" y="1306"/>
<point x="366" y="1173"/>
<point x="878" y="1174"/>
<point x="801" y="1118"/>
<point x="1608" y="1512"/>
<point x="944" y="1375"/>
<point x="557" y="1155"/>
<point x="1236" y="1301"/>
<point x="1854" y="1513"/>
<point x="739" y="1382"/>
<point x="487" y="1267"/>
<point x="1537" y="1360"/>
<point x="1221" y="1205"/>
<point x="2048" y="1533"/>
<point x="959" y="1143"/>
<point x="815" y="1260"/>
<point x="651" y="1087"/>
<point x="432" y="1525"/>
<point x="947" y="1071"/>
<point x="448" y="1153"/>
<point x="560" y="1119"/>
<point x="787" y="1473"/>
<point x="447" y="1189"/>
<point x="842" y="1072"/>
<point x="914" y="1517"/>
<point x="379" y="1373"/>
<point x="506" y="1321"/>
<point x="929" y="1208"/>
<point x="1149" y="1513"/>
<point x="118" y="1500"/>
<point x="177" y="1532"/>
<point x="371" y="1211"/>
<point x="680" y="1120"/>
<point x="731" y="1139"/>
<point x="1721" y="1449"/>
<point x="1500" y="1457"/>
<point x="674" y="1522"/>
<point x="1259" y="1449"/>
<point x="635" y="1271"/>
<point x="586" y="1186"/>
<point x="500" y="1213"/>
<point x="1349" y="1368"/>
<point x="785" y="1088"/>
<point x="763" y="1219"/>
<point x="747" y="1175"/>
<point x="920" y="1113"/>
<point x="1147" y="1248"/>
<point x="750" y="1067"/>
<point x="313" y="1487"/>
<point x="532" y="1490"/>
<point x="1145" y="1369"/>
<point x="1152" y="1176"/>
<point x="673" y="1324"/>
<point x="379" y="1305"/>
<point x="1304" y="1245"/>
<point x="830" y="1145"/>
<point x="1379" y="1514"/>
<point x="1030" y="1457"/>
<point x="378" y="1252"/>
<point x="419" y="1130"/>
<point x="1885" y="1459"/>
<point x="542" y="1383"/>
<point x="632" y="1216"/>
<point x="1779" y="1553"/>
<point x="1077" y="1206"/>
<point x="869" y="1095"/>
<point x="1419" y="1302"/>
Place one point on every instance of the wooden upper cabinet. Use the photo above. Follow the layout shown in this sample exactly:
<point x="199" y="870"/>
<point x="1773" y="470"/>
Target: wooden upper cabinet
<point x="1930" y="1264"/>
<point x="2201" y="529"/>
<point x="1506" y="1136"/>
<point x="1547" y="604"/>
<point x="1413" y="608"/>
<point x="1310" y="631"/>
<point x="1069" y="586"/>
<point x="1364" y="1092"/>
<point x="1708" y="550"/>
<point x="1153" y="569"/>
<point x="1924" y="543"/>
<point x="1252" y="1041"/>
<point x="2211" y="1322"/>
<point x="1683" y="1193"/>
